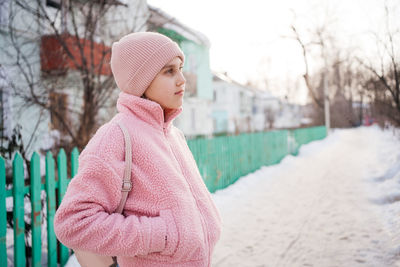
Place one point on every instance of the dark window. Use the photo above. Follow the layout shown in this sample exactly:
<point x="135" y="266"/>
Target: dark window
<point x="54" y="3"/>
<point x="59" y="102"/>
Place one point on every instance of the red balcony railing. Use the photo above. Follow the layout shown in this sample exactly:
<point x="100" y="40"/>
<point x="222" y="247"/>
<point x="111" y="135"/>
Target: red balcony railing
<point x="55" y="59"/>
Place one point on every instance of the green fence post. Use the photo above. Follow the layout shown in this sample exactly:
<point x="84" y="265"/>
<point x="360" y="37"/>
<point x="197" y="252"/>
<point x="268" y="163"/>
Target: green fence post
<point x="19" y="211"/>
<point x="36" y="204"/>
<point x="51" y="208"/>
<point x="284" y="145"/>
<point x="3" y="214"/>
<point x="62" y="187"/>
<point x="74" y="161"/>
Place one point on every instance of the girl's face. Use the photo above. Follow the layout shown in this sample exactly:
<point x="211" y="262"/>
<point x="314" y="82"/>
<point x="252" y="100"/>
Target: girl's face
<point x="168" y="86"/>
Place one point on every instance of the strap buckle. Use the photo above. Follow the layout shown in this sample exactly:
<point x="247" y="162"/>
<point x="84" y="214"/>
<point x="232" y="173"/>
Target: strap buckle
<point x="126" y="186"/>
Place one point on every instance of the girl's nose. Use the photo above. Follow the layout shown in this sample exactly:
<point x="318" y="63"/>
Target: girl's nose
<point x="181" y="79"/>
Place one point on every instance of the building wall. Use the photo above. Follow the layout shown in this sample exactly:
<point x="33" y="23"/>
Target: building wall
<point x="196" y="118"/>
<point x="121" y="20"/>
<point x="226" y="106"/>
<point x="205" y="82"/>
<point x="237" y="108"/>
<point x="289" y="116"/>
<point x="16" y="112"/>
<point x="221" y="119"/>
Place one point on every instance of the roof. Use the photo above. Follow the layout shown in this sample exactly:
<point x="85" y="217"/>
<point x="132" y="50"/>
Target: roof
<point x="161" y="19"/>
<point x="224" y="77"/>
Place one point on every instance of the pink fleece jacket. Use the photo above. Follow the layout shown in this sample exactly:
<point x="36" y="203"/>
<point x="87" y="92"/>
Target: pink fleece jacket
<point x="169" y="217"/>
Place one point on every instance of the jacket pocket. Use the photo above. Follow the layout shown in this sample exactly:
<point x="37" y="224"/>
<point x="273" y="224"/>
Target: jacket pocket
<point x="192" y="238"/>
<point x="171" y="240"/>
<point x="172" y="237"/>
<point x="185" y="238"/>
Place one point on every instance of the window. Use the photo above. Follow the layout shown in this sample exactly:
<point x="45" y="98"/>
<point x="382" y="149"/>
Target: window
<point x="54" y="3"/>
<point x="59" y="103"/>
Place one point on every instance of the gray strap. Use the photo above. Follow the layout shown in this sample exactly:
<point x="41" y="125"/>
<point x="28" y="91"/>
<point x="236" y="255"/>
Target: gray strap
<point x="126" y="182"/>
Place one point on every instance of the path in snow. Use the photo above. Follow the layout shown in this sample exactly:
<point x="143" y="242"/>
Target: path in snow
<point x="317" y="209"/>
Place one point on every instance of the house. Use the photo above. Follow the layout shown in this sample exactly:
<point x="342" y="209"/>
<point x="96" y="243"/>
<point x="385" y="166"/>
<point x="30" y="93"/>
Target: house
<point x="288" y="116"/>
<point x="238" y="108"/>
<point x="265" y="110"/>
<point x="241" y="108"/>
<point x="226" y="104"/>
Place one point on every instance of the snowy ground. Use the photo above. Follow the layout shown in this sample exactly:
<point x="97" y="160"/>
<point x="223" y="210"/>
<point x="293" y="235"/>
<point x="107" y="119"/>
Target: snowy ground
<point x="336" y="204"/>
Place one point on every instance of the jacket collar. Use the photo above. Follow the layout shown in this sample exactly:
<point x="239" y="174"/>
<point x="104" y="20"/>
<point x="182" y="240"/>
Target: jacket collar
<point x="146" y="110"/>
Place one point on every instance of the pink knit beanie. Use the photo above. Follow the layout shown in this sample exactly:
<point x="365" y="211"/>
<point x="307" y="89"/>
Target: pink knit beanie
<point x="138" y="57"/>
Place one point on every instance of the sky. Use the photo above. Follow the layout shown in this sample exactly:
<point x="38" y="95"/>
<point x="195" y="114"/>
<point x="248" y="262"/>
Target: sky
<point x="249" y="39"/>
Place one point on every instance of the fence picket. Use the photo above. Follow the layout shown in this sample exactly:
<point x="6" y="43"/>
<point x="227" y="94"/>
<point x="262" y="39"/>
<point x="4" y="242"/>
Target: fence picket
<point x="51" y="210"/>
<point x="3" y="214"/>
<point x="74" y="161"/>
<point x="19" y="211"/>
<point x="62" y="187"/>
<point x="36" y="218"/>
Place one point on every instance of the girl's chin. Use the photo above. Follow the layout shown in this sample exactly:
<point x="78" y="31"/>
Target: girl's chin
<point x="178" y="104"/>
<point x="175" y="106"/>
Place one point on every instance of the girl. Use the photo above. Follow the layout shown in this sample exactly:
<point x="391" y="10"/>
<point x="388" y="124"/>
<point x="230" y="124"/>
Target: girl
<point x="169" y="218"/>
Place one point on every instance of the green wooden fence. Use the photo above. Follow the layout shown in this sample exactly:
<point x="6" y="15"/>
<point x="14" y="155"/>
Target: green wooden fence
<point x="305" y="135"/>
<point x="51" y="185"/>
<point x="221" y="161"/>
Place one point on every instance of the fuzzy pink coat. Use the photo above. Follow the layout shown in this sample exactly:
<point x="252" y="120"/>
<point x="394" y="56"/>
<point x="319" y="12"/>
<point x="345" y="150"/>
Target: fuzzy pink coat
<point x="169" y="218"/>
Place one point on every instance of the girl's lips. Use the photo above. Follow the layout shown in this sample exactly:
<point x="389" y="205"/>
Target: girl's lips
<point x="180" y="92"/>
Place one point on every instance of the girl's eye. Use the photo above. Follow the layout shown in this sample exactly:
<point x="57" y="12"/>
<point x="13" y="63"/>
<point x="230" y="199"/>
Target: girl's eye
<point x="173" y="70"/>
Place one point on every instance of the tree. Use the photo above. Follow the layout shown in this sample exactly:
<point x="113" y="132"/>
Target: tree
<point x="383" y="85"/>
<point x="312" y="87"/>
<point x="334" y="71"/>
<point x="61" y="49"/>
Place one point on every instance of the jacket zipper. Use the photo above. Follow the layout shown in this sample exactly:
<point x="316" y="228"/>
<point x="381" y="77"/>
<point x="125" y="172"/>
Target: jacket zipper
<point x="203" y="224"/>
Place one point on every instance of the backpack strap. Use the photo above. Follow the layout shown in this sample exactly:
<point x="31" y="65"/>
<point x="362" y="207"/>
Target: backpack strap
<point x="126" y="182"/>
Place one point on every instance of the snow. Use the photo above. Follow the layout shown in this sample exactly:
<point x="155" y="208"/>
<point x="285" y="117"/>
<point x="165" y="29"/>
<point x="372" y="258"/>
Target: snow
<point x="335" y="204"/>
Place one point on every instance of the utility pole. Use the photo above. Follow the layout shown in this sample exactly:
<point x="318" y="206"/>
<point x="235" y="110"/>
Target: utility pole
<point x="326" y="101"/>
<point x="326" y="95"/>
